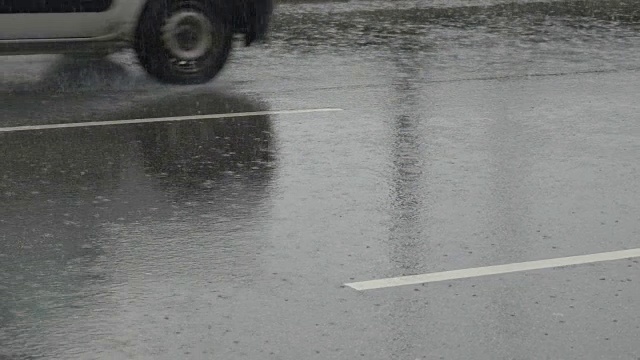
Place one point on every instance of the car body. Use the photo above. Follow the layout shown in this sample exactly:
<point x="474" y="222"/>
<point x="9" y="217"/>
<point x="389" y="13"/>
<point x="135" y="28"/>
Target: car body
<point x="152" y="27"/>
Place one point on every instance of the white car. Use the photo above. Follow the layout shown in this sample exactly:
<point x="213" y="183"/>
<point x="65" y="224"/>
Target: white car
<point x="177" y="41"/>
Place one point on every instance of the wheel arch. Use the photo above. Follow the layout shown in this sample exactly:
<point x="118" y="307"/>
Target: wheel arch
<point x="143" y="5"/>
<point x="249" y="17"/>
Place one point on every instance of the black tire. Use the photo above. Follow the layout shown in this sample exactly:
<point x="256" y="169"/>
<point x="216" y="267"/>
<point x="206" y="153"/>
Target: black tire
<point x="160" y="63"/>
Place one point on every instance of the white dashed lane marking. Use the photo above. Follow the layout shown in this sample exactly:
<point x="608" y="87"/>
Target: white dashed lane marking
<point x="162" y="119"/>
<point x="494" y="270"/>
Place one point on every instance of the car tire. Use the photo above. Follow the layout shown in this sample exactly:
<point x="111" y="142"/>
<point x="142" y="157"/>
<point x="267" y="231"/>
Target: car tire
<point x="184" y="41"/>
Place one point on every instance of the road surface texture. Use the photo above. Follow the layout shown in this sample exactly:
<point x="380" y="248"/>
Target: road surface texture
<point x="442" y="137"/>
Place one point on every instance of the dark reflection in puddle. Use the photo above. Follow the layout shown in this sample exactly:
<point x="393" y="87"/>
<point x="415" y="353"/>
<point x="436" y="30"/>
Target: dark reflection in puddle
<point x="197" y="154"/>
<point x="79" y="206"/>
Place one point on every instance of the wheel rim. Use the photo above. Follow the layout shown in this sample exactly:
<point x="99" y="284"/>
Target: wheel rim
<point x="189" y="38"/>
<point x="188" y="35"/>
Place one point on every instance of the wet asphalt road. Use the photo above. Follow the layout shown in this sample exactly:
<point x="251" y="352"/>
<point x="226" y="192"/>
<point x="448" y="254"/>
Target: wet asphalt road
<point x="472" y="137"/>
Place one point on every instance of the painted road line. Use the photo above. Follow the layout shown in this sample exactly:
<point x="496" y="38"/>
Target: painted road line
<point x="163" y="119"/>
<point x="493" y="270"/>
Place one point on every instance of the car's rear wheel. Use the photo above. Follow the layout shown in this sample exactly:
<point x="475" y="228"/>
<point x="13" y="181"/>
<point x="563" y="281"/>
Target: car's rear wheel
<point x="184" y="41"/>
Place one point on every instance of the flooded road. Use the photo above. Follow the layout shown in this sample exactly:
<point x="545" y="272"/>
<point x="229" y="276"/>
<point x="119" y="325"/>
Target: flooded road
<point x="468" y="136"/>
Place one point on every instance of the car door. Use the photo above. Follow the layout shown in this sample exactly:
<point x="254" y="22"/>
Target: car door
<point x="56" y="19"/>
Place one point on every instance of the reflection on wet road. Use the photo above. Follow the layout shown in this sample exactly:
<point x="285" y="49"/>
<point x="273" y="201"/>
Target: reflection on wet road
<point x="81" y="206"/>
<point x="471" y="136"/>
